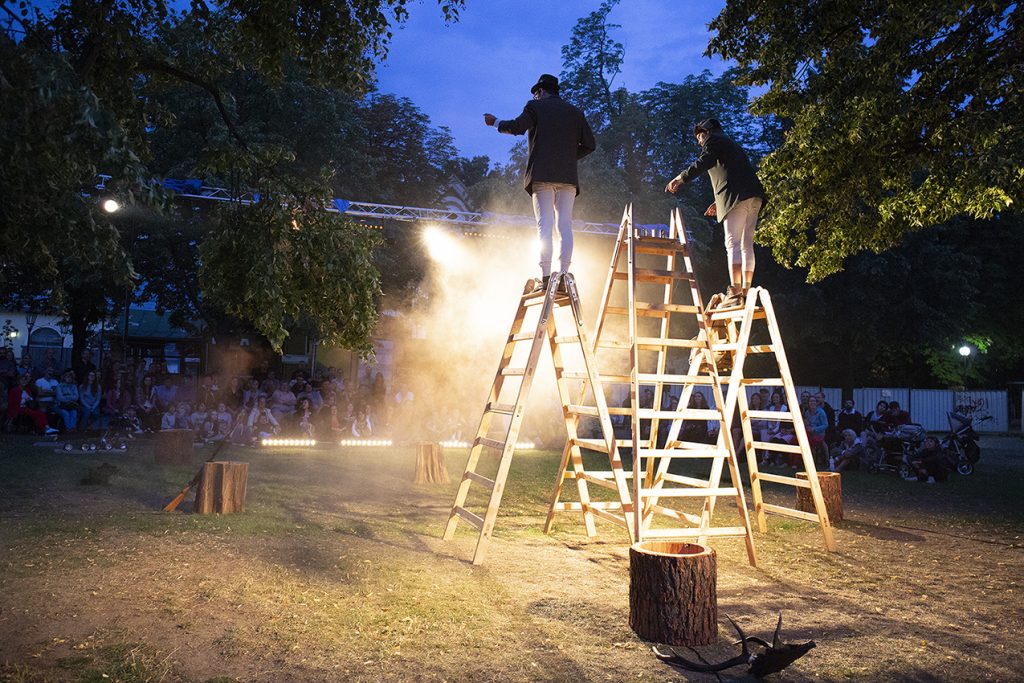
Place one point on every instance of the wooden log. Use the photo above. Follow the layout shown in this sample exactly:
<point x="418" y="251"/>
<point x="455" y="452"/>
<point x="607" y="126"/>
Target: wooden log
<point x="222" y="488"/>
<point x="831" y="490"/>
<point x="430" y="467"/>
<point x="173" y="447"/>
<point x="673" y="593"/>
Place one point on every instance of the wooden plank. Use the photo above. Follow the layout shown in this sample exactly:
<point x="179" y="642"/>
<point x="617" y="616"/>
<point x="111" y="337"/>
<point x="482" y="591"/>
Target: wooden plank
<point x="696" y="492"/>
<point x="770" y="415"/>
<point x="683" y="414"/>
<point x="683" y="453"/>
<point x="490" y="443"/>
<point x="513" y="372"/>
<point x="644" y="378"/>
<point x="567" y="339"/>
<point x="598" y="445"/>
<point x="695" y="532"/>
<point x="475" y="520"/>
<point x="762" y="381"/>
<point x="480" y="479"/>
<point x="676" y="514"/>
<point x="500" y="408"/>
<point x="790" y="512"/>
<point x="778" y="447"/>
<point x="521" y="336"/>
<point x="761" y="348"/>
<point x="779" y="479"/>
<point x="682" y="479"/>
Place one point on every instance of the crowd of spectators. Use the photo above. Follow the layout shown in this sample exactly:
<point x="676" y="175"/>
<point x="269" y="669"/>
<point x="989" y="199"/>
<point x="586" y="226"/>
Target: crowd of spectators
<point x="81" y="399"/>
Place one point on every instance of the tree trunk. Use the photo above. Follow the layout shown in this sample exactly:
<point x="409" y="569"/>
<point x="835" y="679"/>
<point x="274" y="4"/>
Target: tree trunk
<point x="222" y="488"/>
<point x="672" y="593"/>
<point x="173" y="447"/>
<point x="430" y="466"/>
<point x="831" y="490"/>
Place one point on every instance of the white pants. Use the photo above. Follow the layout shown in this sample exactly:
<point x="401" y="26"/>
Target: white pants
<point x="552" y="203"/>
<point x="740" y="224"/>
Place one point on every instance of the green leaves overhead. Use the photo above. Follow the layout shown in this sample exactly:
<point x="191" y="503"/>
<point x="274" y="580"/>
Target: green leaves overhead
<point x="899" y="115"/>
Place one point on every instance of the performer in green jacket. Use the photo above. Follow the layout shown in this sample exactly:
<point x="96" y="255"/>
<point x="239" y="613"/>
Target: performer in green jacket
<point x="739" y="197"/>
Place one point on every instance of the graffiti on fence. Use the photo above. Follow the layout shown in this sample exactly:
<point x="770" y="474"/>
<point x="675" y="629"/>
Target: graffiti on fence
<point x="971" y="406"/>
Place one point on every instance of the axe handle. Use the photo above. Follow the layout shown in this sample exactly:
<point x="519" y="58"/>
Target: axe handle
<point x="176" y="501"/>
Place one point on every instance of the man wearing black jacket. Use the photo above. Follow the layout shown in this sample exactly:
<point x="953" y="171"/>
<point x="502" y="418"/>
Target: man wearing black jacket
<point x="559" y="136"/>
<point x="739" y="196"/>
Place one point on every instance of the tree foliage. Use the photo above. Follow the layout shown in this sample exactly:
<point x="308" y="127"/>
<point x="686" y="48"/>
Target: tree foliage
<point x="900" y="115"/>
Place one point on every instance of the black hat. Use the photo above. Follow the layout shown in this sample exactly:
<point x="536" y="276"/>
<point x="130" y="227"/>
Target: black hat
<point x="548" y="82"/>
<point x="707" y="126"/>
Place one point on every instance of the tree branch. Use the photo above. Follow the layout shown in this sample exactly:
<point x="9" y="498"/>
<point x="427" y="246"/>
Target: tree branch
<point x="15" y="17"/>
<point x="218" y="100"/>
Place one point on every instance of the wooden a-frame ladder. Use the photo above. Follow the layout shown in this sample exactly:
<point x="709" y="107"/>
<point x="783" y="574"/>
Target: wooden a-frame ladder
<point x="662" y="284"/>
<point x="567" y="347"/>
<point x="732" y="332"/>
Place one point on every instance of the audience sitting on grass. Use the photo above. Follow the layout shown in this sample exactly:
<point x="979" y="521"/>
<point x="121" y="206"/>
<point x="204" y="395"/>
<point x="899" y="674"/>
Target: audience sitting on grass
<point x="930" y="463"/>
<point x="849" y="418"/>
<point x="848" y="454"/>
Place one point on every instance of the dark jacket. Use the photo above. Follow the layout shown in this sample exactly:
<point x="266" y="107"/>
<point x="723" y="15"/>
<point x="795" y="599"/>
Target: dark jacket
<point x="559" y="136"/>
<point x="732" y="176"/>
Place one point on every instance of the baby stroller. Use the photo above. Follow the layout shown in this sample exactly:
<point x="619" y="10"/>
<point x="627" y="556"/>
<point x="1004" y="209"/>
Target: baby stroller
<point x="889" y="451"/>
<point x="122" y="429"/>
<point x="962" y="441"/>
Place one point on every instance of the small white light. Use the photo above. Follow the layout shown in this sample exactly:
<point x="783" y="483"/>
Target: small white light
<point x="111" y="205"/>
<point x="965" y="350"/>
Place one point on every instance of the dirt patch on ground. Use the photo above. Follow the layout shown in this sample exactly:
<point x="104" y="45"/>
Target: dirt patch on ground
<point x="337" y="572"/>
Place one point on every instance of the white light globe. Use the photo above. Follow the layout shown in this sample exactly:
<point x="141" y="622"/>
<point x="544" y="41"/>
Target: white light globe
<point x="965" y="351"/>
<point x="111" y="205"/>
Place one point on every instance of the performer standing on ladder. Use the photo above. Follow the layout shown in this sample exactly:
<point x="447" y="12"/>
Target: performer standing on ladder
<point x="559" y="136"/>
<point x="739" y="197"/>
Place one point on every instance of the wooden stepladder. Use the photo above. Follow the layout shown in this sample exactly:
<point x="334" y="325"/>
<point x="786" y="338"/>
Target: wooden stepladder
<point x="509" y="402"/>
<point x="660" y="305"/>
<point x="733" y="331"/>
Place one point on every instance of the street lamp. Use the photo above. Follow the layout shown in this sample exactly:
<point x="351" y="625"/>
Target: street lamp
<point x="964" y="351"/>
<point x="110" y="205"/>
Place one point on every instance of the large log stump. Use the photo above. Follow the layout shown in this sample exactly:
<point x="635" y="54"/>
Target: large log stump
<point x="673" y="593"/>
<point x="221" y="488"/>
<point x="430" y="467"/>
<point x="831" y="490"/>
<point x="173" y="447"/>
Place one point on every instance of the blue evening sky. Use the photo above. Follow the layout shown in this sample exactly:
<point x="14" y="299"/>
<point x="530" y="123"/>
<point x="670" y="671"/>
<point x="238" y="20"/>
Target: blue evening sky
<point x="489" y="59"/>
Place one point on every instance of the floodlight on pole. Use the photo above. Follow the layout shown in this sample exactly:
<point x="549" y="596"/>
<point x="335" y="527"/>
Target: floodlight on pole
<point x="964" y="350"/>
<point x="111" y="205"/>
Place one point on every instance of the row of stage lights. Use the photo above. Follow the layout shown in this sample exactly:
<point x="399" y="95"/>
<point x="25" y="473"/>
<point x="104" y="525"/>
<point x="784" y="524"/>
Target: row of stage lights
<point x="377" y="443"/>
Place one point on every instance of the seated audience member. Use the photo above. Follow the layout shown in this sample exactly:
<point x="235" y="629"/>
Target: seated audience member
<point x="22" y="404"/>
<point x="778" y="431"/>
<point x="362" y="426"/>
<point x="262" y="423"/>
<point x="49" y="362"/>
<point x="693" y="430"/>
<point x="65" y="400"/>
<point x="848" y="453"/>
<point x="251" y="394"/>
<point x="337" y="425"/>
<point x="849" y="418"/>
<point x="198" y="417"/>
<point x="46" y="389"/>
<point x="165" y="394"/>
<point x="895" y="416"/>
<point x="90" y="396"/>
<point x="758" y="427"/>
<point x="804" y="395"/>
<point x="83" y="366"/>
<point x="169" y="418"/>
<point x="25" y="368"/>
<point x="144" y="402"/>
<point x="930" y="462"/>
<point x="282" y="401"/>
<point x="304" y="416"/>
<point x="830" y="415"/>
<point x="208" y="391"/>
<point x="816" y="424"/>
<point x="876" y="419"/>
<point x="234" y="396"/>
<point x="116" y="400"/>
<point x="8" y="369"/>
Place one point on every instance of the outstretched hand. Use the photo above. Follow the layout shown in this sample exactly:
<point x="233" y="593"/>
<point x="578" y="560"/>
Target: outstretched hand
<point x="673" y="185"/>
<point x="489" y="119"/>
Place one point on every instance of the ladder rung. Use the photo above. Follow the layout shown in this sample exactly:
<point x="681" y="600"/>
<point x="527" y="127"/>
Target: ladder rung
<point x="491" y="443"/>
<point x="762" y="382"/>
<point x="654" y="275"/>
<point x="688" y="444"/>
<point x="514" y="372"/>
<point x="688" y="493"/>
<point x="667" y="250"/>
<point x="733" y="313"/>
<point x="568" y="339"/>
<point x="674" y="343"/>
<point x="769" y="415"/>
<point x="684" y="414"/>
<point x="500" y="408"/>
<point x="480" y="479"/>
<point x="522" y="336"/>
<point x="779" y="479"/>
<point x="567" y="374"/>
<point x="475" y="520"/>
<point x="590" y="411"/>
<point x="694" y="532"/>
<point x="683" y="453"/>
<point x="790" y="512"/>
<point x="576" y="506"/>
<point x="761" y="348"/>
<point x="688" y="481"/>
<point x="676" y="514"/>
<point x="597" y="481"/>
<point x="598" y="445"/>
<point x="725" y="346"/>
<point x="619" y="519"/>
<point x="780" y="447"/>
<point x="644" y="378"/>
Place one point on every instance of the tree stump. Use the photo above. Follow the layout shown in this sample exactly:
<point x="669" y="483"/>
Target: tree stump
<point x="430" y="467"/>
<point x="173" y="447"/>
<point x="831" y="490"/>
<point x="673" y="593"/>
<point x="221" y="488"/>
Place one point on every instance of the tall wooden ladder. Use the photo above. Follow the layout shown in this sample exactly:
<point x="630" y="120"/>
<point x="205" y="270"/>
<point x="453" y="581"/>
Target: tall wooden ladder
<point x="733" y="336"/>
<point x="568" y="348"/>
<point x="661" y="296"/>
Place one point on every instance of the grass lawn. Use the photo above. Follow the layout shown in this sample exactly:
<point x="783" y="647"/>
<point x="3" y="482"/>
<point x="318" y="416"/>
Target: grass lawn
<point x="337" y="572"/>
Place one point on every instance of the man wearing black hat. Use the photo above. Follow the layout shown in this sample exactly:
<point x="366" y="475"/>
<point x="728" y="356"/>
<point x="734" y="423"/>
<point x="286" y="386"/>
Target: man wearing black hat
<point x="739" y="196"/>
<point x="559" y="136"/>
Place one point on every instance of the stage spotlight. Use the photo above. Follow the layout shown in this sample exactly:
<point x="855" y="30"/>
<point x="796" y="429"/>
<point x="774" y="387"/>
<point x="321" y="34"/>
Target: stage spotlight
<point x="441" y="244"/>
<point x="289" y="443"/>
<point x="366" y="442"/>
<point x="111" y="205"/>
